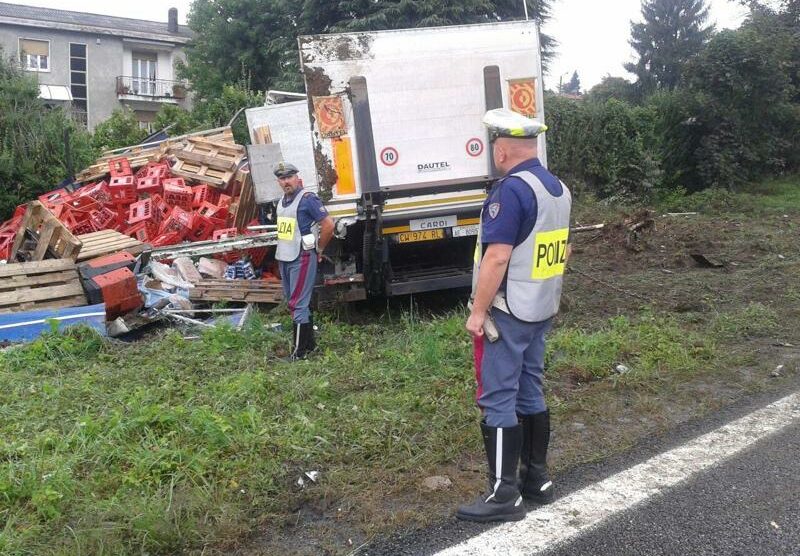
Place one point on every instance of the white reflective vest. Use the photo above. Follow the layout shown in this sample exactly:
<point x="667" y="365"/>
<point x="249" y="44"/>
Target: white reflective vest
<point x="536" y="269"/>
<point x="289" y="237"/>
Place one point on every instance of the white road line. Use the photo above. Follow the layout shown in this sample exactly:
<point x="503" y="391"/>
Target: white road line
<point x="573" y="515"/>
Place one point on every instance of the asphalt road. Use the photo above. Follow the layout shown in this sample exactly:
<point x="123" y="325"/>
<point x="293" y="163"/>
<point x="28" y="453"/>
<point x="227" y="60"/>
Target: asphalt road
<point x="746" y="503"/>
<point x="749" y="505"/>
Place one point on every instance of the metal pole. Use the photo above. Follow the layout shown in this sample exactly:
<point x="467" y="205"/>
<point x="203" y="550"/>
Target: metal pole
<point x="525" y="5"/>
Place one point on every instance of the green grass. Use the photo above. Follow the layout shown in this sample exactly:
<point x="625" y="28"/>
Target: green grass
<point x="172" y="445"/>
<point x="190" y="446"/>
<point x="774" y="195"/>
<point x="169" y="445"/>
<point x="649" y="346"/>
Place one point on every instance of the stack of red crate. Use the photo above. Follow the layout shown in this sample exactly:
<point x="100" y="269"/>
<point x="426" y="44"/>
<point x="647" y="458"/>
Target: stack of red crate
<point x="150" y="204"/>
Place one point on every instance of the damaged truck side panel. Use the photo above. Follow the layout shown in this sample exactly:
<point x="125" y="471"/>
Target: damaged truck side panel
<point x="401" y="158"/>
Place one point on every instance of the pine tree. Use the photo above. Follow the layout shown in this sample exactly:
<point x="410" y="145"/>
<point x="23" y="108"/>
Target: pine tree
<point x="672" y="32"/>
<point x="574" y="85"/>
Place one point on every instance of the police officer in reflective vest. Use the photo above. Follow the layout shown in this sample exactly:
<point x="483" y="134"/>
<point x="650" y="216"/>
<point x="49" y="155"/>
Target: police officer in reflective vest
<point x="304" y="230"/>
<point x="521" y="252"/>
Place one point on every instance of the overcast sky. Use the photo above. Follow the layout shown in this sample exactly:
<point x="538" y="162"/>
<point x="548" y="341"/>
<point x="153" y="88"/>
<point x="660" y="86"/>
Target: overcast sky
<point x="592" y="34"/>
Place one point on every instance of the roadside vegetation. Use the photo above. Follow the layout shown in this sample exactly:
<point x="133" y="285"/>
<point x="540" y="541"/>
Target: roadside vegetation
<point x="174" y="445"/>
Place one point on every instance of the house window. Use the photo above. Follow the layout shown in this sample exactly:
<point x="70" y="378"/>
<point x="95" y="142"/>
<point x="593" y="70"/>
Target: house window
<point x="77" y="81"/>
<point x="34" y="55"/>
<point x="144" y="73"/>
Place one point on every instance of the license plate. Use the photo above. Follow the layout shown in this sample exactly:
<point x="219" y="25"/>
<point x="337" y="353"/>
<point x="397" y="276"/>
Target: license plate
<point x="464" y="231"/>
<point x="426" y="235"/>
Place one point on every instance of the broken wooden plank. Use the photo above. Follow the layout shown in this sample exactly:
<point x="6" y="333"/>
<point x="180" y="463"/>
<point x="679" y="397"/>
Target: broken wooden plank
<point x="587" y="228"/>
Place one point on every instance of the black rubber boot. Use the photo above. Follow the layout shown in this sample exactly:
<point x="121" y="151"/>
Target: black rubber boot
<point x="502" y="502"/>
<point x="304" y="339"/>
<point x="312" y="341"/>
<point x="534" y="482"/>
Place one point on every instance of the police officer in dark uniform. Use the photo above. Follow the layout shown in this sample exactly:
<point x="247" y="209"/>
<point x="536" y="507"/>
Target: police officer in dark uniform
<point x="520" y="257"/>
<point x="304" y="230"/>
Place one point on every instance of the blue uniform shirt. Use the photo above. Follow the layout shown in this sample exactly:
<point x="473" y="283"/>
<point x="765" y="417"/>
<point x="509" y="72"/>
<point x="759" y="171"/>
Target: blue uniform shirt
<point x="309" y="212"/>
<point x="510" y="209"/>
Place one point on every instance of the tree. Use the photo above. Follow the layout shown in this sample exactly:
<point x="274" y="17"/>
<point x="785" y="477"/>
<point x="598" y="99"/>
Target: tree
<point x="120" y="130"/>
<point x="672" y="32"/>
<point x="219" y="110"/>
<point x="612" y="87"/>
<point x="748" y="122"/>
<point x="573" y="87"/>
<point x="32" y="149"/>
<point x="243" y="41"/>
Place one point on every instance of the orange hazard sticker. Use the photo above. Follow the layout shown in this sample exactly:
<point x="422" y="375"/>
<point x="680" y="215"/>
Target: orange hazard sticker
<point x="522" y="94"/>
<point x="330" y="116"/>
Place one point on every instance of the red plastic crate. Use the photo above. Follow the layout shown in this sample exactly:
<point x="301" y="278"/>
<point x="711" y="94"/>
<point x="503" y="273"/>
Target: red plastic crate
<point x="120" y="292"/>
<point x="257" y="255"/>
<point x="123" y="193"/>
<point x="104" y="219"/>
<point x="158" y="170"/>
<point x="179" y="221"/>
<point x="6" y="244"/>
<point x="225" y="233"/>
<point x="161" y="209"/>
<point x="174" y="181"/>
<point x="119" y="167"/>
<point x="82" y="227"/>
<point x="170" y="238"/>
<point x="203" y="193"/>
<point x="176" y="194"/>
<point x="229" y="257"/>
<point x="11" y="225"/>
<point x="202" y="228"/>
<point x="55" y="197"/>
<point x="141" y="173"/>
<point x="217" y="214"/>
<point x="143" y="231"/>
<point x="149" y="184"/>
<point x="140" y="211"/>
<point x="224" y="201"/>
<point x="97" y="191"/>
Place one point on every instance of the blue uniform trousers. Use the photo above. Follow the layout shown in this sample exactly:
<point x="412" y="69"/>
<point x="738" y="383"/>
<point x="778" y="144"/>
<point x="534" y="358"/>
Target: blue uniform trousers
<point x="510" y="371"/>
<point x="298" y="278"/>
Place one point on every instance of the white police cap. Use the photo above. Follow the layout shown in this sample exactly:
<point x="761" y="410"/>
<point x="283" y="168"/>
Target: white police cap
<point x="283" y="169"/>
<point x="503" y="122"/>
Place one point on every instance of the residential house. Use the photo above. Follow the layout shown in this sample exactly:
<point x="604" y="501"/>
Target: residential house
<point x="97" y="63"/>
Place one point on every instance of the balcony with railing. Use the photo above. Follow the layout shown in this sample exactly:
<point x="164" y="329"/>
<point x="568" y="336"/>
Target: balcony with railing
<point x="155" y="90"/>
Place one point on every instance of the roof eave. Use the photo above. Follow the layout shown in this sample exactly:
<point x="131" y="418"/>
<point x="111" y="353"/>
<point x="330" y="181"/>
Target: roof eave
<point x="166" y="37"/>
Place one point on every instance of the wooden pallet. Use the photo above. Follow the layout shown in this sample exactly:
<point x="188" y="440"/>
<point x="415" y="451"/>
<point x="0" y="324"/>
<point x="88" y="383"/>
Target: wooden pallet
<point x="41" y="235"/>
<point x="206" y="161"/>
<point x="40" y="285"/>
<point x="139" y="155"/>
<point x="106" y="242"/>
<point x="244" y="209"/>
<point x="250" y="291"/>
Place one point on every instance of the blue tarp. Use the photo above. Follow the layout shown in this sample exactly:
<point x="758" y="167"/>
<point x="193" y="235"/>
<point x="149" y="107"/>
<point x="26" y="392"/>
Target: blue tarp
<point x="21" y="327"/>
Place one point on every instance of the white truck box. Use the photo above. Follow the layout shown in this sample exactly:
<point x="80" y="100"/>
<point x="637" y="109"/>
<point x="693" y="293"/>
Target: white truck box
<point x="426" y="90"/>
